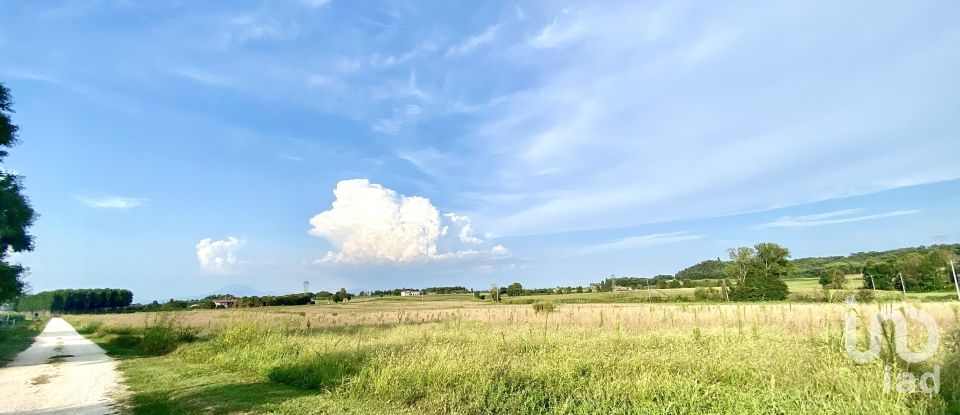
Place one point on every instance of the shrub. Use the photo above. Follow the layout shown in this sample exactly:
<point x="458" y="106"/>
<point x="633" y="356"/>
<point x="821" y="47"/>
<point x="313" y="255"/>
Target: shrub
<point x="865" y="295"/>
<point x="760" y="288"/>
<point x="544" y="307"/>
<point x="707" y="294"/>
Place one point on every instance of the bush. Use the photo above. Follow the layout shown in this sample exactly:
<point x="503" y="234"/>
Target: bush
<point x="865" y="295"/>
<point x="760" y="288"/>
<point x="707" y="294"/>
<point x="544" y="307"/>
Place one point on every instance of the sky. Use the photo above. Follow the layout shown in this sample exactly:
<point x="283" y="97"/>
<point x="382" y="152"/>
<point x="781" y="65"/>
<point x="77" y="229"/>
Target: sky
<point x="174" y="148"/>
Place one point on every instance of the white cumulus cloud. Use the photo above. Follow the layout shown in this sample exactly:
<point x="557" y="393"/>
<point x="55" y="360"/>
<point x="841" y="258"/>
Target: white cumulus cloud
<point x="369" y="223"/>
<point x="219" y="256"/>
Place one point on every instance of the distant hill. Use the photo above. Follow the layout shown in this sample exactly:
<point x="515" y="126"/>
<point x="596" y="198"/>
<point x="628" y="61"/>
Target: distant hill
<point x="237" y="290"/>
<point x="810" y="267"/>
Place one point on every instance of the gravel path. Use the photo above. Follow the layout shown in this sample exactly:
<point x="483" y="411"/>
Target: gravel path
<point x="61" y="373"/>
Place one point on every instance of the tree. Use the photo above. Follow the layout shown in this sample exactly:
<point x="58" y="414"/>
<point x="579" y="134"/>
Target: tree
<point x="773" y="259"/>
<point x="514" y="289"/>
<point x="934" y="270"/>
<point x="740" y="262"/>
<point x="908" y="271"/>
<point x="833" y="278"/>
<point x="341" y="296"/>
<point x="879" y="275"/>
<point x="758" y="272"/>
<point x="16" y="215"/>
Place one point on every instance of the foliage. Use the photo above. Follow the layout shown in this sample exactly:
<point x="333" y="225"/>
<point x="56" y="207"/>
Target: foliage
<point x="709" y="269"/>
<point x="662" y="281"/>
<point x="858" y="262"/>
<point x="865" y="295"/>
<point x="16" y="215"/>
<point x="14" y="339"/>
<point x="544" y="307"/>
<point x="76" y="301"/>
<point x="707" y="294"/>
<point x="833" y="278"/>
<point x="515" y="289"/>
<point x="758" y="272"/>
<point x="934" y="271"/>
<point x="446" y="290"/>
<point x="879" y="274"/>
<point x="341" y="296"/>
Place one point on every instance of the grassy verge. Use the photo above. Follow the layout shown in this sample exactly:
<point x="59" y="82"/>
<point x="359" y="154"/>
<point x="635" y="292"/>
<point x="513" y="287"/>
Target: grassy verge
<point x="162" y="381"/>
<point x="14" y="339"/>
<point x="168" y="385"/>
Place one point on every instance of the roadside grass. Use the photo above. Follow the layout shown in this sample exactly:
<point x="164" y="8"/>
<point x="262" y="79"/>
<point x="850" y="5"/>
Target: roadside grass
<point x="586" y="359"/>
<point x="16" y="338"/>
<point x="169" y="385"/>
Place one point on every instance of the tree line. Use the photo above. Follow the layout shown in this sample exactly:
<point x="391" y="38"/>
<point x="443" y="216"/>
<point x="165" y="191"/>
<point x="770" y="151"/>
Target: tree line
<point x="76" y="300"/>
<point x="17" y="215"/>
<point x="249" y="301"/>
<point x="911" y="271"/>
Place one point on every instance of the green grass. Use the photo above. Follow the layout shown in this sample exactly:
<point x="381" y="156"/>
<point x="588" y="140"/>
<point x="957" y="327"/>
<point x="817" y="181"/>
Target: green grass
<point x="746" y="366"/>
<point x="171" y="386"/>
<point x="14" y="339"/>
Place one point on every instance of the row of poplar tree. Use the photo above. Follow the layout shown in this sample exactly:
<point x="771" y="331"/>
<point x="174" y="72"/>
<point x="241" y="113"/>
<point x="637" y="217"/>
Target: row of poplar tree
<point x="76" y="300"/>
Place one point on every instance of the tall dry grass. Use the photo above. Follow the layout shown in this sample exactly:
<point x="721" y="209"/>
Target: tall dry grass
<point x="470" y="358"/>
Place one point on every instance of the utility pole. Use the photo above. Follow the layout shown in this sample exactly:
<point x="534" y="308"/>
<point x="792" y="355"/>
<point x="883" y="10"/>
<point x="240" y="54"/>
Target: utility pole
<point x="955" y="282"/>
<point x="306" y="287"/>
<point x="902" y="285"/>
<point x="648" y="289"/>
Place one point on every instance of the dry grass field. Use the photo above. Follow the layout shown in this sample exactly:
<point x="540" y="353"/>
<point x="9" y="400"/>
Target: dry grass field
<point x="468" y="357"/>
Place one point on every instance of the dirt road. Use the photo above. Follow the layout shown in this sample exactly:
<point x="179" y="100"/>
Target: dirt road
<point x="61" y="373"/>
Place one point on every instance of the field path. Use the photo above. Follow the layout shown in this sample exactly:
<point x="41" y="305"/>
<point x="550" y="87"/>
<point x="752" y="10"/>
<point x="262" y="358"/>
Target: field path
<point x="61" y="373"/>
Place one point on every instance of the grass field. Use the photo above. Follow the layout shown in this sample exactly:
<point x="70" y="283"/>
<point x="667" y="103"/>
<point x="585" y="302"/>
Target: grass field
<point x="462" y="356"/>
<point x="802" y="289"/>
<point x="16" y="338"/>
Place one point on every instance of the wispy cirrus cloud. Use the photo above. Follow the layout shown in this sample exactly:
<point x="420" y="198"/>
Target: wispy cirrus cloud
<point x="641" y="241"/>
<point x="474" y="42"/>
<point x="830" y="218"/>
<point x="203" y="77"/>
<point x="111" y="202"/>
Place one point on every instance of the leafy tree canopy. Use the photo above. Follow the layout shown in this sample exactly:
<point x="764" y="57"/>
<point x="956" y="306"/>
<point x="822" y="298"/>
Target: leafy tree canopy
<point x="16" y="215"/>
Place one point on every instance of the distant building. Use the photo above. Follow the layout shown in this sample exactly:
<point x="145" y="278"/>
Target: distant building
<point x="410" y="293"/>
<point x="224" y="302"/>
<point x="619" y="288"/>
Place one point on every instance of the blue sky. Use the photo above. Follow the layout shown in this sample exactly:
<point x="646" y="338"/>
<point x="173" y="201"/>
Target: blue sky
<point x="177" y="147"/>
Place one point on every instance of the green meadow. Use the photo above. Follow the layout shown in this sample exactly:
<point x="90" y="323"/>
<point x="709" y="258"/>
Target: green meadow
<point x="457" y="355"/>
